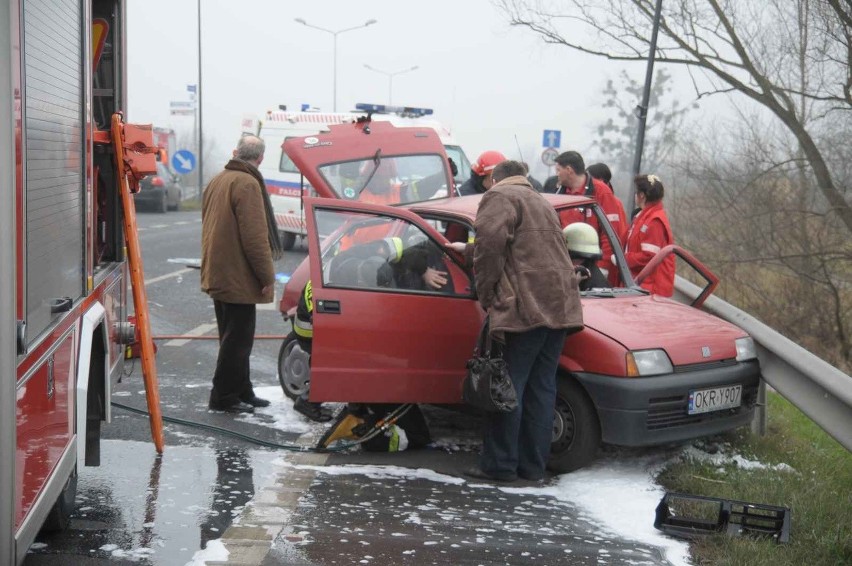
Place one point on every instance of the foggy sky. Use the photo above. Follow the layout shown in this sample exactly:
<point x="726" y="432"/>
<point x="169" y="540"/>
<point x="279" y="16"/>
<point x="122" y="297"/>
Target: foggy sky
<point x="487" y="81"/>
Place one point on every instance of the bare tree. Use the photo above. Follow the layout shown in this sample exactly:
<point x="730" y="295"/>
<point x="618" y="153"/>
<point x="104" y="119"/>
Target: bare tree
<point x="776" y="258"/>
<point x="792" y="57"/>
<point x="616" y="138"/>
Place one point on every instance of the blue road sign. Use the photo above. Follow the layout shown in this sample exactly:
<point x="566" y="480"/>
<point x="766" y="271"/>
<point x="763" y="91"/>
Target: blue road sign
<point x="552" y="138"/>
<point x="183" y="161"/>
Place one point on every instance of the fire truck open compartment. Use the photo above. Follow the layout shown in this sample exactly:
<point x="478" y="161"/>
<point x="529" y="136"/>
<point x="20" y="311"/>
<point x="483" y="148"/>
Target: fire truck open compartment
<point x="108" y="241"/>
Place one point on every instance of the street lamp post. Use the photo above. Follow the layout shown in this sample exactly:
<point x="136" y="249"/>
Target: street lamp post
<point x="335" y="34"/>
<point x="390" y="77"/>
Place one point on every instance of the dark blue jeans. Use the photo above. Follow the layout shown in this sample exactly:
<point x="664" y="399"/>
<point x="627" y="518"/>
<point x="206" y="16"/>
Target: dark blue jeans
<point x="518" y="443"/>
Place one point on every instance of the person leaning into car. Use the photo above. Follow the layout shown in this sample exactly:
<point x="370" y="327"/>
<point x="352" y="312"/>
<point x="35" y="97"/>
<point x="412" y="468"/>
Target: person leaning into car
<point x="239" y="241"/>
<point x="526" y="282"/>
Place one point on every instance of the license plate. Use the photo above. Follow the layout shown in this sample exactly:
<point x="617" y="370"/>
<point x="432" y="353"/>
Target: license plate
<point x="716" y="399"/>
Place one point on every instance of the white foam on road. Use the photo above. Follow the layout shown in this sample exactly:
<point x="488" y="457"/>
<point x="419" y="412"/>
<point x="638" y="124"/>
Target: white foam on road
<point x="215" y="552"/>
<point x="284" y="417"/>
<point x="618" y="493"/>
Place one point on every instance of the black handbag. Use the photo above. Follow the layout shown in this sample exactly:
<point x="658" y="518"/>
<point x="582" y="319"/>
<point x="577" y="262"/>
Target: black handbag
<point x="487" y="385"/>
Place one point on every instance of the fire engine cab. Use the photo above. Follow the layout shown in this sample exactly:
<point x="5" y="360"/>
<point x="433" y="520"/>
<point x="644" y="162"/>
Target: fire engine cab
<point x="63" y="268"/>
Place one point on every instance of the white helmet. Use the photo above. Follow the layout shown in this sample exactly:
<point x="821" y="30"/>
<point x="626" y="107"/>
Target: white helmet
<point x="582" y="240"/>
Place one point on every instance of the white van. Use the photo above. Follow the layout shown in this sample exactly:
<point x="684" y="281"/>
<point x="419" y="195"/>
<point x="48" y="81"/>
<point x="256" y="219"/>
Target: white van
<point x="283" y="180"/>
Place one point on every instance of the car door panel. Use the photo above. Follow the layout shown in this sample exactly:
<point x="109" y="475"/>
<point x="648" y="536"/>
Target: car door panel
<point x="388" y="345"/>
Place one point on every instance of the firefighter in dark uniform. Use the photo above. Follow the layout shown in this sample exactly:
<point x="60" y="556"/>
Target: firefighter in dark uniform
<point x="304" y="330"/>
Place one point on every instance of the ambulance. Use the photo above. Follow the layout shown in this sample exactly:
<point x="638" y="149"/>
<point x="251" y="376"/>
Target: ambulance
<point x="282" y="178"/>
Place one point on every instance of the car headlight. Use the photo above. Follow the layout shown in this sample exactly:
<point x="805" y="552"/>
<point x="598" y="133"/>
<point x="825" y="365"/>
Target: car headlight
<point x="648" y="362"/>
<point x="745" y="349"/>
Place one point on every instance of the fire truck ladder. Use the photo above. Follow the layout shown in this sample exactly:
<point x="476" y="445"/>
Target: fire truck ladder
<point x="132" y="144"/>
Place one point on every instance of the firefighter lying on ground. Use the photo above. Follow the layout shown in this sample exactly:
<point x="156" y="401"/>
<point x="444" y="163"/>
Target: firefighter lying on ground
<point x="379" y="264"/>
<point x="585" y="251"/>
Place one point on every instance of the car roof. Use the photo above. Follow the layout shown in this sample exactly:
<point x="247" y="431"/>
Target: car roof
<point x="467" y="205"/>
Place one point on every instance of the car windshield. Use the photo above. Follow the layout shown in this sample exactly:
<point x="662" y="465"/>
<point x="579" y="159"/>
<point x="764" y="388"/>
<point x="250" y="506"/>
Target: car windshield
<point x="388" y="179"/>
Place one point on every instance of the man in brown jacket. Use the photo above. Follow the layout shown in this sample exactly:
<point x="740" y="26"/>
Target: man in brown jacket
<point x="526" y="282"/>
<point x="239" y="240"/>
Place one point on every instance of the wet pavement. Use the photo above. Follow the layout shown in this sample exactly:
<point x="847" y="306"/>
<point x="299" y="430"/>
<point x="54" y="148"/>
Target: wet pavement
<point x="138" y="507"/>
<point x="369" y="515"/>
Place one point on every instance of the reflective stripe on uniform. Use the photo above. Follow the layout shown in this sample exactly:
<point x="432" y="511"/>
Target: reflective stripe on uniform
<point x="303" y="328"/>
<point x="396" y="249"/>
<point x="651" y="248"/>
<point x="309" y="297"/>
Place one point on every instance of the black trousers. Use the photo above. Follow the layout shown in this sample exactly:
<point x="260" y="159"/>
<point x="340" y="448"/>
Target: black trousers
<point x="231" y="381"/>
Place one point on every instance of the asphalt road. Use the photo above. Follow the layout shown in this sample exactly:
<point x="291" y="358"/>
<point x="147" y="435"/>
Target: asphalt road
<point x="273" y="506"/>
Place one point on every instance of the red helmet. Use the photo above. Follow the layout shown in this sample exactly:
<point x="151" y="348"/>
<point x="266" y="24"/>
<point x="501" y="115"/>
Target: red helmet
<point x="487" y="162"/>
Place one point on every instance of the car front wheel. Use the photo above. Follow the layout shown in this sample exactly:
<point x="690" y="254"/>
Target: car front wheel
<point x="576" y="430"/>
<point x="294" y="368"/>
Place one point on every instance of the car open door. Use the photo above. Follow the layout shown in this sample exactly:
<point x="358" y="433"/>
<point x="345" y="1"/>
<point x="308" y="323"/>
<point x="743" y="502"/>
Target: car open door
<point x="379" y="333"/>
<point x="712" y="281"/>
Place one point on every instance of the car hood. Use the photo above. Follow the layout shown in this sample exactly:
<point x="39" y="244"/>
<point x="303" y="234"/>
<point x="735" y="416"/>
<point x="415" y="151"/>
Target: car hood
<point x="688" y="335"/>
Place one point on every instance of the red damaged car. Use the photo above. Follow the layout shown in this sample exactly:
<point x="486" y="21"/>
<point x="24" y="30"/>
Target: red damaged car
<point x="645" y="370"/>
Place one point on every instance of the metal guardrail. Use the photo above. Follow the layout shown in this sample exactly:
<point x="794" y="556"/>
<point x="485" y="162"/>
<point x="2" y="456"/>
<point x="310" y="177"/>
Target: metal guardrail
<point x="818" y="389"/>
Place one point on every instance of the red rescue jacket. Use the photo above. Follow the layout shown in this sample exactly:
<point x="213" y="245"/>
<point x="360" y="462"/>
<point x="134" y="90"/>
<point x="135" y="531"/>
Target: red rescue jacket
<point x="612" y="208"/>
<point x="650" y="233"/>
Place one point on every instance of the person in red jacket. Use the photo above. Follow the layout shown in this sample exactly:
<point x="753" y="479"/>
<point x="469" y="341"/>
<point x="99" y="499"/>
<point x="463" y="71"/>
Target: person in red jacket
<point x="573" y="179"/>
<point x="649" y="233"/>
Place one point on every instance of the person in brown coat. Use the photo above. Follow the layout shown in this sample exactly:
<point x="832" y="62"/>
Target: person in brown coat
<point x="526" y="282"/>
<point x="239" y="241"/>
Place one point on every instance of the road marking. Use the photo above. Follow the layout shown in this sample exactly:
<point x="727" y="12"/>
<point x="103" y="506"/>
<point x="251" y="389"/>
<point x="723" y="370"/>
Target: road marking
<point x="159" y="226"/>
<point x="199" y="330"/>
<point x="167" y="276"/>
<point x="182" y="222"/>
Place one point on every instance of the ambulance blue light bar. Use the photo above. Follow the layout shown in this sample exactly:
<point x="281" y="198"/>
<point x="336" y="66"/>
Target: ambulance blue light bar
<point x="408" y="111"/>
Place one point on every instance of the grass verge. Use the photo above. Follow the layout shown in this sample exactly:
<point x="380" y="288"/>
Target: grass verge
<point x="818" y="490"/>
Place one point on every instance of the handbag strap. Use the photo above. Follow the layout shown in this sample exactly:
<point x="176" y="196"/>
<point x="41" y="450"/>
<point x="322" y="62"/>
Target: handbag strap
<point x="483" y="345"/>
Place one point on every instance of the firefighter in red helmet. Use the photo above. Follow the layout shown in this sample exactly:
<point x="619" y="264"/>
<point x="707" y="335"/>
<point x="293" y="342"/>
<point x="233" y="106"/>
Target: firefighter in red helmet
<point x="480" y="173"/>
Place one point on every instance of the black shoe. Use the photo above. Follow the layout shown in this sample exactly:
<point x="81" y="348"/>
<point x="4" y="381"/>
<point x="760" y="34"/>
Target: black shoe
<point x="256" y="401"/>
<point x="238" y="407"/>
<point x="314" y="411"/>
<point x="480" y="475"/>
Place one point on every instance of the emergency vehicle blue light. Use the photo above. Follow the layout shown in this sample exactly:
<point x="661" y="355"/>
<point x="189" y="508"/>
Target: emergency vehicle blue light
<point x="401" y="110"/>
<point x="305" y="107"/>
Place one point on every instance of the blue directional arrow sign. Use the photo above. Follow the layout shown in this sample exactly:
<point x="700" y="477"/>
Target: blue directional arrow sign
<point x="183" y="161"/>
<point x="552" y="138"/>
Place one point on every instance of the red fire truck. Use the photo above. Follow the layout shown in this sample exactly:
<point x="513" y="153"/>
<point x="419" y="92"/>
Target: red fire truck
<point x="63" y="260"/>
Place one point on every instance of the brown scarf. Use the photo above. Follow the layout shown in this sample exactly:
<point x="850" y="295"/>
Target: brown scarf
<point x="271" y="226"/>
